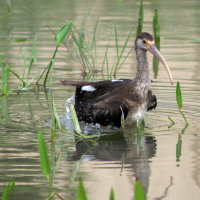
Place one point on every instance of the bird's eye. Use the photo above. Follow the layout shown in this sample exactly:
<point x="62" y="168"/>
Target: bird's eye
<point x="144" y="41"/>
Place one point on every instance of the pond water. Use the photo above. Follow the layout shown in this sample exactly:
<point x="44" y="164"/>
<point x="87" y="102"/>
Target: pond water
<point x="113" y="162"/>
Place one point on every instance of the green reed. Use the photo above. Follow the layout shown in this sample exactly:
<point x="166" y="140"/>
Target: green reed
<point x="44" y="157"/>
<point x="112" y="194"/>
<point x="139" y="193"/>
<point x="156" y="30"/>
<point x="179" y="101"/>
<point x="25" y="78"/>
<point x="118" y="64"/>
<point x="5" y="77"/>
<point x="85" y="53"/>
<point x="140" y="19"/>
<point x="59" y="38"/>
<point x="81" y="193"/>
<point x="8" y="190"/>
<point x="75" y="121"/>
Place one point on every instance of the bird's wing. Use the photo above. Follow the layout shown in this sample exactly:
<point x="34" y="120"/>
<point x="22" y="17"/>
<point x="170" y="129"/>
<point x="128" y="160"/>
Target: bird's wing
<point x="97" y="84"/>
<point x="93" y="90"/>
<point x="104" y="112"/>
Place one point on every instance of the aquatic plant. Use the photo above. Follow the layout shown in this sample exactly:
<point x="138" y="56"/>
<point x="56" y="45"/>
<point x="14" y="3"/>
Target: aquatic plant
<point x="139" y="193"/>
<point x="156" y="30"/>
<point x="44" y="158"/>
<point x="179" y="101"/>
<point x="112" y="194"/>
<point x="5" y="76"/>
<point x="75" y="120"/>
<point x="140" y="19"/>
<point x="8" y="190"/>
<point x="60" y="37"/>
<point x="81" y="194"/>
<point x="116" y="66"/>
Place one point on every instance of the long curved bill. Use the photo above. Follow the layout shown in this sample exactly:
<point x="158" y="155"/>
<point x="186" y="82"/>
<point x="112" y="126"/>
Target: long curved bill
<point x="152" y="48"/>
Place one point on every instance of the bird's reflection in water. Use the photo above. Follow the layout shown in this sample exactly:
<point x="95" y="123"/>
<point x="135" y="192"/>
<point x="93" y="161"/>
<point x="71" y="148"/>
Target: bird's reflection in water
<point x="125" y="148"/>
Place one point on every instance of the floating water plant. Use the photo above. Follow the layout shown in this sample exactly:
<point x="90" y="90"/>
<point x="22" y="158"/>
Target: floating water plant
<point x="8" y="190"/>
<point x="44" y="158"/>
<point x="139" y="193"/>
<point x="140" y="19"/>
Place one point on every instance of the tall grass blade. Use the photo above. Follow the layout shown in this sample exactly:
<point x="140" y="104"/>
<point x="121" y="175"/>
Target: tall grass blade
<point x="116" y="41"/>
<point x="112" y="195"/>
<point x="117" y="66"/>
<point x="9" y="6"/>
<point x="94" y="38"/>
<point x="155" y="66"/>
<point x="32" y="59"/>
<point x="48" y="69"/>
<point x="25" y="65"/>
<point x="63" y="32"/>
<point x="59" y="38"/>
<point x="140" y="19"/>
<point x="139" y="193"/>
<point x="178" y="95"/>
<point x="5" y="78"/>
<point x="178" y="148"/>
<point x="105" y="60"/>
<point x="81" y="194"/>
<point x="56" y="114"/>
<point x="76" y="124"/>
<point x="7" y="190"/>
<point x="44" y="158"/>
<point x="18" y="76"/>
<point x="156" y="29"/>
<point x="4" y="108"/>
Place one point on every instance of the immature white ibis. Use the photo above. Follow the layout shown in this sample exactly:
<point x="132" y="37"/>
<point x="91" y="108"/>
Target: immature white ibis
<point x="105" y="102"/>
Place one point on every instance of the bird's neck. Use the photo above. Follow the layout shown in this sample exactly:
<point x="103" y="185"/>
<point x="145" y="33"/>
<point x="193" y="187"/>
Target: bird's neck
<point x="143" y="74"/>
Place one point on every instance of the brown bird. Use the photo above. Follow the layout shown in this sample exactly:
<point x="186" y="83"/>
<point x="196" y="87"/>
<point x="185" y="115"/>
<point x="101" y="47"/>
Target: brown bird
<point x="104" y="102"/>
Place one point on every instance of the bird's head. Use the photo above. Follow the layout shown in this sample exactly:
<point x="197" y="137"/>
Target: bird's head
<point x="145" y="42"/>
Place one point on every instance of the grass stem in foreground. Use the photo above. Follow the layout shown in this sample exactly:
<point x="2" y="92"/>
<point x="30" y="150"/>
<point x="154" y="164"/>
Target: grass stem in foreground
<point x="44" y="158"/>
<point x="81" y="194"/>
<point x="139" y="193"/>
<point x="7" y="190"/>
